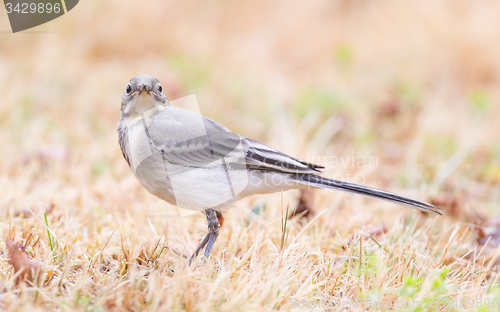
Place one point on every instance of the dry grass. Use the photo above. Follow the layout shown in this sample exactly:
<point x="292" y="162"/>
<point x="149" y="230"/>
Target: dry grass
<point x="414" y="85"/>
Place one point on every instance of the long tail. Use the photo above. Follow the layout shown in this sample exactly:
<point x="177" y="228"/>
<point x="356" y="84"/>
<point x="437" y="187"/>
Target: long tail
<point x="318" y="181"/>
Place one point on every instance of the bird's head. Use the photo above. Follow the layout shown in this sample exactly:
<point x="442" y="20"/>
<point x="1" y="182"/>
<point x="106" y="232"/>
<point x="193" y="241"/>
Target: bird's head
<point x="142" y="93"/>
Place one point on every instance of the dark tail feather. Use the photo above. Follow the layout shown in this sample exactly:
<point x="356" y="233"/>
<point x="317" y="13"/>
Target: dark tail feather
<point x="318" y="181"/>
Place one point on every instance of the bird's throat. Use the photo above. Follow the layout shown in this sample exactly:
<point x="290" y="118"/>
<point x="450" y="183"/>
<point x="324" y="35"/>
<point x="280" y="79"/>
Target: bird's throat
<point x="140" y="104"/>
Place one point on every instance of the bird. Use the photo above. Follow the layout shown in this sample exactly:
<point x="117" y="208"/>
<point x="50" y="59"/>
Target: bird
<point x="194" y="162"/>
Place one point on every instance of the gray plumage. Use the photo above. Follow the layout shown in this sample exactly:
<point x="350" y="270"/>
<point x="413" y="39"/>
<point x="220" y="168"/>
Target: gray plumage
<point x="194" y="162"/>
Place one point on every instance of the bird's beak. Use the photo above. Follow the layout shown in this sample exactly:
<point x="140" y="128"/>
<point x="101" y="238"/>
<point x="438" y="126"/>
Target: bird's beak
<point x="146" y="88"/>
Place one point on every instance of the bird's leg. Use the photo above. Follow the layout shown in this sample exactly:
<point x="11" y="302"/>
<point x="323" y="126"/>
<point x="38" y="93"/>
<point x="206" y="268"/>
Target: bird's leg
<point x="215" y="220"/>
<point x="213" y="230"/>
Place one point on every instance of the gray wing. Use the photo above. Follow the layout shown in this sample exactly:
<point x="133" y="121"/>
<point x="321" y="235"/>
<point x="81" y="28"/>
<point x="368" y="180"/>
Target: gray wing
<point x="189" y="139"/>
<point x="262" y="157"/>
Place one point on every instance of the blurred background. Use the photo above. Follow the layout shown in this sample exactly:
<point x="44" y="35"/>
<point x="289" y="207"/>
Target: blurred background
<point x="414" y="84"/>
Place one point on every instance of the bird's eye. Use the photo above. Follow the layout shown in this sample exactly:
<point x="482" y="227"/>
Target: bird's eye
<point x="160" y="89"/>
<point x="129" y="88"/>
